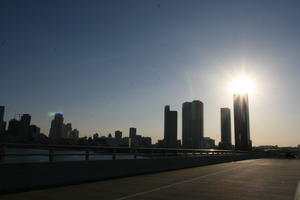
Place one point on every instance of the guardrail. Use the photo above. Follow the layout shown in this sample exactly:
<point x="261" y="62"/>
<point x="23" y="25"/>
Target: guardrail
<point x="88" y="151"/>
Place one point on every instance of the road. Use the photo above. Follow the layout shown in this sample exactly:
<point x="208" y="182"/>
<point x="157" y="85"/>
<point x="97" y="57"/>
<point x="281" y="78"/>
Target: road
<point x="264" y="179"/>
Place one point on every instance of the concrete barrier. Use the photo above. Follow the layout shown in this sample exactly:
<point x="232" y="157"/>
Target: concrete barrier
<point x="26" y="176"/>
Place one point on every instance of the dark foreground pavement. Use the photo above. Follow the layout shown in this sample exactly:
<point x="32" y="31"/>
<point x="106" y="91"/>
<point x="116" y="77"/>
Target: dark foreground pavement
<point x="251" y="179"/>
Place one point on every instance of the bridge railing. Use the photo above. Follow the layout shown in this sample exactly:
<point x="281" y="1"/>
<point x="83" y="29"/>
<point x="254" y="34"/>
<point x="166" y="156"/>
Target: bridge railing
<point x="54" y="152"/>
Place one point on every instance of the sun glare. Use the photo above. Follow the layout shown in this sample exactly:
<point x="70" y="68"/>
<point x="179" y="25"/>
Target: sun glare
<point x="242" y="85"/>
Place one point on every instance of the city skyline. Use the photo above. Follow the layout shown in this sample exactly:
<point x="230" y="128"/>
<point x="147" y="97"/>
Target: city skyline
<point x="116" y="65"/>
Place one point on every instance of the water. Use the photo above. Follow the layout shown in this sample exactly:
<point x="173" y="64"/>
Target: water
<point x="59" y="156"/>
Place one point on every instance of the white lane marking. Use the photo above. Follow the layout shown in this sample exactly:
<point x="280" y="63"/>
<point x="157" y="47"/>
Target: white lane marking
<point x="178" y="183"/>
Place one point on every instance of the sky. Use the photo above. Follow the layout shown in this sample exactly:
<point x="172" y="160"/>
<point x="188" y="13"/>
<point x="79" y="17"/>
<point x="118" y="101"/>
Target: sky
<point x="114" y="64"/>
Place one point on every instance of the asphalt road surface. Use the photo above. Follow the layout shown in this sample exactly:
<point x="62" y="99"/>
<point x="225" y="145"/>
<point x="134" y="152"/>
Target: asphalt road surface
<point x="251" y="179"/>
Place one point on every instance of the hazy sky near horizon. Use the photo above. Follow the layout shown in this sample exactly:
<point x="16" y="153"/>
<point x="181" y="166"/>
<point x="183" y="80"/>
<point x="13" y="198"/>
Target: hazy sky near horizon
<point x="110" y="65"/>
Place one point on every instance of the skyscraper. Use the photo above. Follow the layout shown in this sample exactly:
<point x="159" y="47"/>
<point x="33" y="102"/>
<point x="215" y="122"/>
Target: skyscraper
<point x="225" y="129"/>
<point x="57" y="127"/>
<point x="67" y="131"/>
<point x="13" y="128"/>
<point x="132" y="132"/>
<point x="170" y="128"/>
<point x="192" y="124"/>
<point x="24" y="131"/>
<point x="2" y="122"/>
<point x="2" y="109"/>
<point x="241" y="122"/>
<point x="197" y="123"/>
<point x="187" y="125"/>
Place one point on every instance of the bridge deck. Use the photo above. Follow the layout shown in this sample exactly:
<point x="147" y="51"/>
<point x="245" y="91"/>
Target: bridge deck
<point x="252" y="179"/>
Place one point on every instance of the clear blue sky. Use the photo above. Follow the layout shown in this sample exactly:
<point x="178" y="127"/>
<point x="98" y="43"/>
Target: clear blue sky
<point x="110" y="65"/>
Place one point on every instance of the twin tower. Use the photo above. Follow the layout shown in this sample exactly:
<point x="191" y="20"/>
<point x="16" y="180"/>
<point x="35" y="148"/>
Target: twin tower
<point x="193" y="120"/>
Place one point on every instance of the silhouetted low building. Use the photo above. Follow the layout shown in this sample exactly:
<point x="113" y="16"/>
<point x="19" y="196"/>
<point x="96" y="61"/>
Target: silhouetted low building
<point x="34" y="131"/>
<point x="207" y="143"/>
<point x="74" y="134"/>
<point x="118" y="134"/>
<point x="95" y="136"/>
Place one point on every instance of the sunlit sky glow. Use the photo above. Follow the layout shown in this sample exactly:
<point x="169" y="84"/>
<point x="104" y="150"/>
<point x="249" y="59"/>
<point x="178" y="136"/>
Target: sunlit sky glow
<point x="242" y="85"/>
<point x="111" y="65"/>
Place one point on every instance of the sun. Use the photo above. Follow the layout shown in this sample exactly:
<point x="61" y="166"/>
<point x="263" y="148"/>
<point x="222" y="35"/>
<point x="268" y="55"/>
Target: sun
<point x="242" y="85"/>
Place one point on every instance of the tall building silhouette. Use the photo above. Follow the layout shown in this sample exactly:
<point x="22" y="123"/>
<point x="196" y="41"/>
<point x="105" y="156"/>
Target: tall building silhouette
<point x="24" y="131"/>
<point x="132" y="132"/>
<point x="170" y="128"/>
<point x="2" y="122"/>
<point x="74" y="134"/>
<point x="20" y="129"/>
<point x="225" y="129"/>
<point x="241" y="122"/>
<point x="13" y="128"/>
<point x="187" y="125"/>
<point x="197" y="123"/>
<point x="67" y="131"/>
<point x="2" y="109"/>
<point x="192" y="124"/>
<point x="57" y="127"/>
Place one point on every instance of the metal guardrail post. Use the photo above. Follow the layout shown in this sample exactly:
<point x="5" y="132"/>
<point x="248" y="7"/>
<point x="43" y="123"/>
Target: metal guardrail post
<point x="87" y="155"/>
<point x="2" y="153"/>
<point x="51" y="155"/>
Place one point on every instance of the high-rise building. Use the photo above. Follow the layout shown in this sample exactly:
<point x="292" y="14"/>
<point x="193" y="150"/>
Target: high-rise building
<point x="57" y="127"/>
<point x="187" y="125"/>
<point x="20" y="129"/>
<point x="192" y="124"/>
<point x="118" y="134"/>
<point x="225" y="129"/>
<point x="74" y="134"/>
<point x="24" y="132"/>
<point x="170" y="128"/>
<point x="13" y="128"/>
<point x="67" y="131"/>
<point x="241" y="122"/>
<point x="2" y="122"/>
<point x="197" y="123"/>
<point x="132" y="132"/>
<point x="2" y="109"/>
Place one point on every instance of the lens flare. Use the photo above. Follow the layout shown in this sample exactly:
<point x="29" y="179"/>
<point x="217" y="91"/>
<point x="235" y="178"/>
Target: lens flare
<point x="51" y="114"/>
<point x="242" y="85"/>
